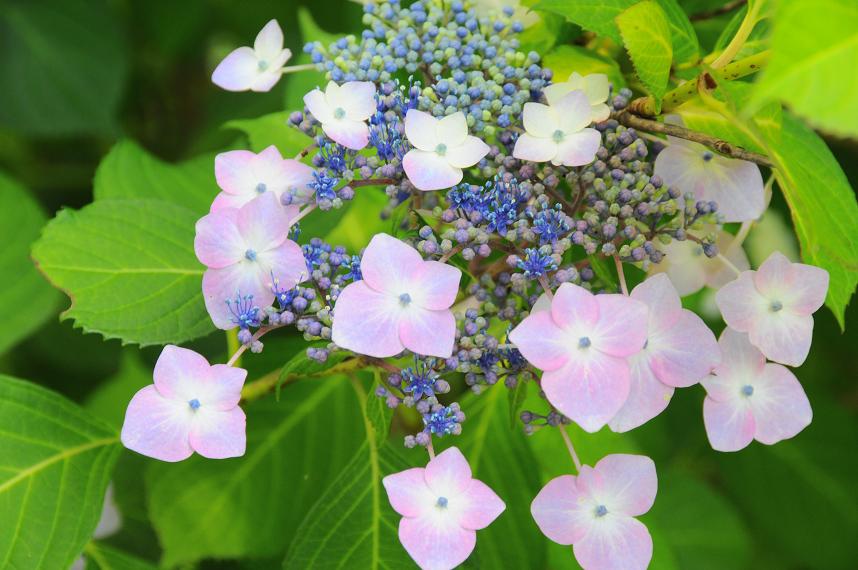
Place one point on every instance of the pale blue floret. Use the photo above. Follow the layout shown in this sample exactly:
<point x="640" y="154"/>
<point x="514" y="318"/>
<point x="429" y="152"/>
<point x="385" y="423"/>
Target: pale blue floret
<point x="194" y="404"/>
<point x="601" y="510"/>
<point x="250" y="254"/>
<point x="584" y="342"/>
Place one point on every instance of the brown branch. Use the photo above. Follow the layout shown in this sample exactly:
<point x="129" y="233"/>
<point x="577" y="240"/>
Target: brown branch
<point x="716" y="144"/>
<point x="372" y="182"/>
<point x="715" y="12"/>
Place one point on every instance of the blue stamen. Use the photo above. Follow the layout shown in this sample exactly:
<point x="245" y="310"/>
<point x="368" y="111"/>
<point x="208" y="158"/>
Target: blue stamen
<point x="441" y="149"/>
<point x="558" y="136"/>
<point x="261" y="187"/>
<point x="584" y="342"/>
<point x="262" y="65"/>
<point x="747" y="390"/>
<point x="776" y="306"/>
<point x="405" y="299"/>
<point x="250" y="254"/>
<point x="339" y="113"/>
<point x="601" y="510"/>
<point x="442" y="502"/>
<point x="707" y="156"/>
<point x="194" y="404"/>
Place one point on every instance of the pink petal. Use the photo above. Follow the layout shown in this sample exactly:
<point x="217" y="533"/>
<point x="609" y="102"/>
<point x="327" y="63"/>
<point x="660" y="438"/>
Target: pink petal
<point x="783" y="336"/>
<point x="438" y="285"/>
<point x="648" y="396"/>
<point x="684" y="267"/>
<point x="221" y="389"/>
<point x="717" y="273"/>
<point x="233" y="171"/>
<point x="427" y="332"/>
<point x="263" y="223"/>
<point x="541" y="342"/>
<point x="265" y="81"/>
<point x="452" y="130"/>
<point x="434" y="544"/>
<point x="800" y="288"/>
<point x="534" y="149"/>
<point x="224" y="201"/>
<point x="683" y="353"/>
<point x="427" y="170"/>
<point x="420" y="129"/>
<point x="220" y="285"/>
<point x="622" y="327"/>
<point x="366" y="321"/>
<point x="659" y="295"/>
<point x="448" y="473"/>
<point x="574" y="306"/>
<point x="578" y="149"/>
<point x="349" y="133"/>
<point x="729" y="424"/>
<point x="738" y="356"/>
<point x="391" y="265"/>
<point x="218" y="434"/>
<point x="781" y="408"/>
<point x="269" y="41"/>
<point x="628" y="483"/>
<point x="285" y="264"/>
<point x="736" y="186"/>
<point x="318" y="106"/>
<point x="615" y="542"/>
<point x="590" y="389"/>
<point x="180" y="372"/>
<point x="157" y="427"/>
<point x="408" y="493"/>
<point x="483" y="506"/>
<point x="467" y="154"/>
<point x="218" y="242"/>
<point x="237" y="71"/>
<point x="573" y="112"/>
<point x="740" y="303"/>
<point x="359" y="103"/>
<point x="558" y="513"/>
<point x="296" y="176"/>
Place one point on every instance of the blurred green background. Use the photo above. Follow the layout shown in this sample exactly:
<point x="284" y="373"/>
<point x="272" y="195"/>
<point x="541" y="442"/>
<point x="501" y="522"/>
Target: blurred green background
<point x="76" y="76"/>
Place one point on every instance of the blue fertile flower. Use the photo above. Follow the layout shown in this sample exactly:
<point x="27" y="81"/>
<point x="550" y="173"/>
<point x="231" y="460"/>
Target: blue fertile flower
<point x="536" y="264"/>
<point x="444" y="420"/>
<point x="419" y="380"/>
<point x="244" y="313"/>
<point x="323" y="185"/>
<point x="550" y="225"/>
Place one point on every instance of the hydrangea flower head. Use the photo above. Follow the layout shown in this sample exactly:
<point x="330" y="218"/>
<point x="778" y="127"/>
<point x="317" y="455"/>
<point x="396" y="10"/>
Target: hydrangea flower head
<point x="246" y="250"/>
<point x="192" y="406"/>
<point x="442" y="148"/>
<point x="243" y="175"/>
<point x="255" y="69"/>
<point x="558" y="132"/>
<point x="749" y="399"/>
<point x="401" y="302"/>
<point x="343" y="111"/>
<point x="680" y="350"/>
<point x="442" y="507"/>
<point x="582" y="345"/>
<point x="595" y="86"/>
<point x="594" y="512"/>
<point x="774" y="305"/>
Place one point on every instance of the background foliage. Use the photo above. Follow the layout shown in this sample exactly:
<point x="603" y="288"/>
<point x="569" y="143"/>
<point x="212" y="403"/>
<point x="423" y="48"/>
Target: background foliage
<point x="108" y="127"/>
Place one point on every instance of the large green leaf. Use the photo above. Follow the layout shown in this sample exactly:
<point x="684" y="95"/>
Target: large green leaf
<point x="594" y="15"/>
<point x="272" y="129"/>
<point x="62" y="67"/>
<point x="251" y="506"/>
<point x="814" y="50"/>
<point x="646" y="35"/>
<point x="100" y="556"/>
<point x="56" y="465"/>
<point x="129" y="172"/>
<point x="686" y="49"/>
<point x="26" y="299"/>
<point x="110" y="399"/>
<point x="563" y="60"/>
<point x="129" y="268"/>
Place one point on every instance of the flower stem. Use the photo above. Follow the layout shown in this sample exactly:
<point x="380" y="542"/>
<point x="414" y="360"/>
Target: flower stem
<point x="570" y="447"/>
<point x="545" y="286"/>
<point x="372" y="182"/>
<point x="301" y="214"/>
<point x="232" y="344"/>
<point x="294" y="68"/>
<point x="621" y="275"/>
<point x="752" y="16"/>
<point x="430" y="449"/>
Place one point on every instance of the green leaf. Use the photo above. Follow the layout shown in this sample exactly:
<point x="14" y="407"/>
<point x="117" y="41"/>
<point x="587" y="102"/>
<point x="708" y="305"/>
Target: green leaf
<point x="563" y="60"/>
<point x="100" y="556"/>
<point x="57" y="462"/>
<point x="130" y="172"/>
<point x="62" y="67"/>
<point x="686" y="49"/>
<point x="361" y="220"/>
<point x="378" y="414"/>
<point x="814" y="44"/>
<point x="110" y="399"/>
<point x="646" y="35"/>
<point x="252" y="505"/>
<point x="272" y="129"/>
<point x="302" y="366"/>
<point x="129" y="268"/>
<point x="352" y="525"/>
<point x="517" y="397"/>
<point x="594" y="15"/>
<point x="27" y="300"/>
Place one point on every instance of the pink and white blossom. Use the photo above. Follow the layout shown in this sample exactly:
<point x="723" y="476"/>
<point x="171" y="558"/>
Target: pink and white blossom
<point x="191" y="407"/>
<point x="774" y="305"/>
<point x="595" y="86"/>
<point x="255" y="69"/>
<point x="558" y="132"/>
<point x="680" y="350"/>
<point x="442" y="507"/>
<point x="442" y="148"/>
<point x="749" y="399"/>
<point x="595" y="512"/>
<point x="246" y="250"/>
<point x="402" y="302"/>
<point x="243" y="175"/>
<point x="343" y="111"/>
<point x="582" y="345"/>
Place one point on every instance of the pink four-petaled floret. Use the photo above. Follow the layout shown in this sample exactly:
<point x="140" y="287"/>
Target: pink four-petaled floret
<point x="343" y="111"/>
<point x="255" y="69"/>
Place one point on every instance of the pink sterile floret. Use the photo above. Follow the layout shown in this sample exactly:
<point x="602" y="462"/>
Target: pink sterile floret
<point x="343" y="111"/>
<point x="774" y="306"/>
<point x="594" y="512"/>
<point x="192" y="406"/>
<point x="749" y="399"/>
<point x="246" y="251"/>
<point x="582" y="345"/>
<point x="680" y="350"/>
<point x="258" y="68"/>
<point x="402" y="302"/>
<point x="442" y="507"/>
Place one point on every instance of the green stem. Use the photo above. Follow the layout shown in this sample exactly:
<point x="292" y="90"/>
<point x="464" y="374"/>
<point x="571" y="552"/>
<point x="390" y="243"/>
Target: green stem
<point x="232" y="344"/>
<point x="262" y="386"/>
<point x="751" y="18"/>
<point x="645" y="106"/>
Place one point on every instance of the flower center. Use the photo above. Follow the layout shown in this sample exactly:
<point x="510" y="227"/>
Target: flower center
<point x="442" y="503"/>
<point x="405" y="299"/>
<point x="339" y="113"/>
<point x="646" y="343"/>
<point x="194" y="404"/>
<point x="441" y="149"/>
<point x="261" y="187"/>
<point x="584" y="342"/>
<point x="601" y="511"/>
<point x="250" y="254"/>
<point x="558" y="136"/>
<point x="262" y="65"/>
<point x="776" y="306"/>
<point x="707" y="156"/>
<point x="747" y="390"/>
